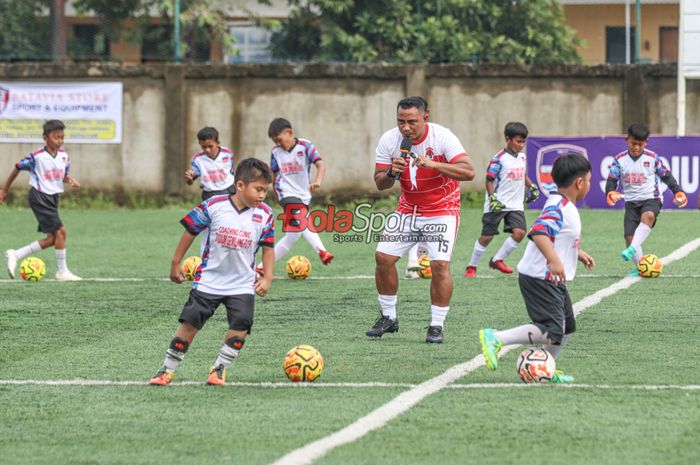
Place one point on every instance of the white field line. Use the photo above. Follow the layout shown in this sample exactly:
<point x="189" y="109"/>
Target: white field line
<point x="404" y="401"/>
<point x="290" y="385"/>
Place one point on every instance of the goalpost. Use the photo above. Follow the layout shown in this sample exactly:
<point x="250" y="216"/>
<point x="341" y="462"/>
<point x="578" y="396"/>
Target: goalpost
<point x="688" y="54"/>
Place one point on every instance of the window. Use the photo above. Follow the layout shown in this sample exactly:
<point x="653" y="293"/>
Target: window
<point x="88" y="43"/>
<point x="668" y="44"/>
<point x="252" y="43"/>
<point x="615" y="45"/>
<point x="157" y="43"/>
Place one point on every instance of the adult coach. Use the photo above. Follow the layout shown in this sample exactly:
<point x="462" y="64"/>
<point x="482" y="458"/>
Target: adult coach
<point x="429" y="161"/>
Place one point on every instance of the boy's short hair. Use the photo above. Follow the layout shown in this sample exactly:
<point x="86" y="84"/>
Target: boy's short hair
<point x="568" y="167"/>
<point x="638" y="131"/>
<point x="514" y="129"/>
<point x="413" y="102"/>
<point x="278" y="125"/>
<point x="252" y="169"/>
<point x="53" y="125"/>
<point x="208" y="133"/>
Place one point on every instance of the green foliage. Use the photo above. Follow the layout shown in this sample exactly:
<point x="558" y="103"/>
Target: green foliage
<point x="396" y="31"/>
<point x="24" y="33"/>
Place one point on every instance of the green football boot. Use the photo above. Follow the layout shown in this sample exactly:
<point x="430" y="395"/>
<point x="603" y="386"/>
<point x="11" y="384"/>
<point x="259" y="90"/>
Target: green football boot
<point x="490" y="347"/>
<point x="560" y="378"/>
<point x="628" y="253"/>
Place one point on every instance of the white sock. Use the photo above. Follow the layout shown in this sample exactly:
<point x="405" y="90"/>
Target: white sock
<point x="640" y="235"/>
<point x="173" y="359"/>
<point x="226" y="355"/>
<point x="387" y="303"/>
<point x="314" y="239"/>
<point x="506" y="249"/>
<point x="27" y="250"/>
<point x="638" y="254"/>
<point x="61" y="260"/>
<point x="555" y="350"/>
<point x="413" y="255"/>
<point x="525" y="334"/>
<point x="438" y="315"/>
<point x="285" y="244"/>
<point x="477" y="253"/>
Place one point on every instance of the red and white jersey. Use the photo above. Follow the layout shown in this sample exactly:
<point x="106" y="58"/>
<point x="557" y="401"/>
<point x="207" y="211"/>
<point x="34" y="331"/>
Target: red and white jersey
<point x="292" y="169"/>
<point x="233" y="238"/>
<point x="508" y="172"/>
<point x="46" y="172"/>
<point x="425" y="190"/>
<point x="561" y="223"/>
<point x="215" y="174"/>
<point x="640" y="177"/>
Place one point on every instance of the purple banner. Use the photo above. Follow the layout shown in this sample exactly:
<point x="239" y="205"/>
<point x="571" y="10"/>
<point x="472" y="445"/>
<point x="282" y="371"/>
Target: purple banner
<point x="681" y="154"/>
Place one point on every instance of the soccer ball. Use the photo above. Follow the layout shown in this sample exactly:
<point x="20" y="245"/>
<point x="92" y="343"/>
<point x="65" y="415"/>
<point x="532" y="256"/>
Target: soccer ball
<point x="190" y="265"/>
<point x="303" y="363"/>
<point x="650" y="266"/>
<point x="425" y="271"/>
<point x="535" y="366"/>
<point x="32" y="269"/>
<point x="298" y="267"/>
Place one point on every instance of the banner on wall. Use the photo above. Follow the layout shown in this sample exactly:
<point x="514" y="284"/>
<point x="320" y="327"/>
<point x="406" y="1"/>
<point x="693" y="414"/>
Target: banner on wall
<point x="92" y="112"/>
<point x="681" y="155"/>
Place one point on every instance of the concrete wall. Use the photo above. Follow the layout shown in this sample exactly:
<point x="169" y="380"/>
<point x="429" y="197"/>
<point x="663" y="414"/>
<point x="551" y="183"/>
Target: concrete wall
<point x="344" y="109"/>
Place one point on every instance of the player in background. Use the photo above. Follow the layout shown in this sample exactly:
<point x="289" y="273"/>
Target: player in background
<point x="214" y="168"/>
<point x="239" y="225"/>
<point x="414" y="253"/>
<point x="429" y="161"/>
<point x="640" y="170"/>
<point x="48" y="171"/>
<point x="549" y="262"/>
<point x="291" y="162"/>
<point x="506" y="181"/>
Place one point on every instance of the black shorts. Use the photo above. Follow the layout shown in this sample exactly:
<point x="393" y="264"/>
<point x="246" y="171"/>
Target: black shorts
<point x="208" y="194"/>
<point x="45" y="208"/>
<point x="294" y="210"/>
<point x="513" y="220"/>
<point x="634" y="210"/>
<point x="201" y="306"/>
<point x="549" y="306"/>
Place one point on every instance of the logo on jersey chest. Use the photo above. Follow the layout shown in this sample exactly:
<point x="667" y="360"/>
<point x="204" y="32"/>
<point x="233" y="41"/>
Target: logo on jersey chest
<point x="300" y="153"/>
<point x="257" y="218"/>
<point x="647" y="164"/>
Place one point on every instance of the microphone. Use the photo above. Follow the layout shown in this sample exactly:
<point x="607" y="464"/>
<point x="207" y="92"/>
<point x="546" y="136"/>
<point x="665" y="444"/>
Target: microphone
<point x="405" y="150"/>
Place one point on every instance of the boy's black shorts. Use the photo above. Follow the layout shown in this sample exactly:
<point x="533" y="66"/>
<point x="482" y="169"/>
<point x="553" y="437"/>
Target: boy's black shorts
<point x="208" y="194"/>
<point x="294" y="212"/>
<point x="549" y="306"/>
<point x="201" y="306"/>
<point x="634" y="210"/>
<point x="45" y="208"/>
<point x="513" y="220"/>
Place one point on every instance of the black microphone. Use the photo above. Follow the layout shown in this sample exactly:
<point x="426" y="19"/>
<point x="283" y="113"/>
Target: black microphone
<point x="405" y="150"/>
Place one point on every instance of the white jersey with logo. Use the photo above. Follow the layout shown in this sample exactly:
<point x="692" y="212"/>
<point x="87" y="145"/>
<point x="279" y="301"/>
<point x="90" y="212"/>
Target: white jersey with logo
<point x="640" y="177"/>
<point x="46" y="172"/>
<point x="425" y="190"/>
<point x="232" y="240"/>
<point x="561" y="223"/>
<point x="215" y="174"/>
<point x="508" y="172"/>
<point x="292" y="169"/>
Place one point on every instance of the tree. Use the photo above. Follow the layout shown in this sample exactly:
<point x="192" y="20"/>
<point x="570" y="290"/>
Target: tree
<point x="201" y="23"/>
<point x="400" y="31"/>
<point x="24" y="32"/>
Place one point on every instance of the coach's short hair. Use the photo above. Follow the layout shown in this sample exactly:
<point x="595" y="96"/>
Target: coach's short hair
<point x="252" y="169"/>
<point x="278" y="125"/>
<point x="568" y="167"/>
<point x="638" y="131"/>
<point x="53" y="125"/>
<point x="413" y="102"/>
<point x="208" y="133"/>
<point x="514" y="129"/>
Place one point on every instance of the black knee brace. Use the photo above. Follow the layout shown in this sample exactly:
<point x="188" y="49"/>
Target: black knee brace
<point x="235" y="342"/>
